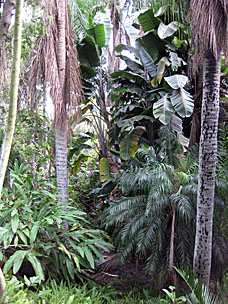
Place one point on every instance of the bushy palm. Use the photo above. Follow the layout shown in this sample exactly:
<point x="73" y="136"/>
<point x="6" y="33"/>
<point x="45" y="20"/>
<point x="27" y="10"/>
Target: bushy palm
<point x="152" y="194"/>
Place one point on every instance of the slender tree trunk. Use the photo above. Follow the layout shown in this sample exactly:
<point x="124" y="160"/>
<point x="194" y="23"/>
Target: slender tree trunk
<point x="7" y="141"/>
<point x="60" y="108"/>
<point x="207" y="167"/>
<point x="172" y="274"/>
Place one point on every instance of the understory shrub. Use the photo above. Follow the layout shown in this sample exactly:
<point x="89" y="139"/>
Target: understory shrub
<point x="33" y="239"/>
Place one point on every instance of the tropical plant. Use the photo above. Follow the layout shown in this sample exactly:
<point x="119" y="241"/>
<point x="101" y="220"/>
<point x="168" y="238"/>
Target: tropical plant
<point x="32" y="230"/>
<point x="151" y="88"/>
<point x="200" y="293"/>
<point x="154" y="214"/>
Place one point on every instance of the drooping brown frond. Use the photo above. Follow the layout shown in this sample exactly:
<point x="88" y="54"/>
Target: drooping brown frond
<point x="45" y="66"/>
<point x="209" y="23"/>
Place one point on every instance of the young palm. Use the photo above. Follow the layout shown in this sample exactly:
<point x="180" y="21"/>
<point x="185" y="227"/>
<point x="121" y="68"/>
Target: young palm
<point x="156" y="203"/>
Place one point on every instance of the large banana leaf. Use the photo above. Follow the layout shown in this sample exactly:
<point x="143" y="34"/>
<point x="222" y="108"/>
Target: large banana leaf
<point x="122" y="47"/>
<point x="87" y="72"/>
<point x="88" y="52"/>
<point x="165" y="31"/>
<point x="148" y="21"/>
<point x="133" y="65"/>
<point x="104" y="170"/>
<point x="129" y="144"/>
<point x="104" y="18"/>
<point x="98" y="33"/>
<point x="154" y="45"/>
<point x="176" y="81"/>
<point x="182" y="102"/>
<point x="163" y="109"/>
<point x="146" y="59"/>
<point x="131" y="76"/>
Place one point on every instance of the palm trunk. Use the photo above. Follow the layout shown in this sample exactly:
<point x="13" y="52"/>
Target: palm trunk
<point x="207" y="167"/>
<point x="61" y="160"/>
<point x="172" y="274"/>
<point x="60" y="108"/>
<point x="7" y="141"/>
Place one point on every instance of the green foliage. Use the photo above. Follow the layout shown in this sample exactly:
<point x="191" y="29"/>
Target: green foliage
<point x="153" y="84"/>
<point x="171" y="295"/>
<point x="55" y="293"/>
<point x="32" y="230"/>
<point x="200" y="294"/>
<point x="140" y="220"/>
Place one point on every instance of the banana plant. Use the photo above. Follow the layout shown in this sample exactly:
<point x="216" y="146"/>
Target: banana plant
<point x="152" y="89"/>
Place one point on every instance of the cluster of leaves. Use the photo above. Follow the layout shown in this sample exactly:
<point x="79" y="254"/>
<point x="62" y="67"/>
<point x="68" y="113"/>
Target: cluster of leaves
<point x="32" y="230"/>
<point x="152" y="87"/>
<point x="140" y="220"/>
<point x="156" y="184"/>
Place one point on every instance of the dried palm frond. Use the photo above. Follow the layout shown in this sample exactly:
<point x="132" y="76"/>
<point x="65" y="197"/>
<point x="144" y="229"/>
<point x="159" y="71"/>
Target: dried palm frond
<point x="44" y="66"/>
<point x="209" y="20"/>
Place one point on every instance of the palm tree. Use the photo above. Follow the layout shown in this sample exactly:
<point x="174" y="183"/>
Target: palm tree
<point x="209" y="30"/>
<point x="11" y="120"/>
<point x="56" y="65"/>
<point x="153" y="216"/>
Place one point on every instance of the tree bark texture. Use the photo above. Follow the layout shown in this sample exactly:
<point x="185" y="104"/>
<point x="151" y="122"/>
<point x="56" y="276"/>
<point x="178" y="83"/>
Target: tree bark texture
<point x="207" y="167"/>
<point x="60" y="107"/>
<point x="5" y="21"/>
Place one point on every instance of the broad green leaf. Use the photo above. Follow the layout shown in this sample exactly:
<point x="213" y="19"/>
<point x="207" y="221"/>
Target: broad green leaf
<point x="14" y="261"/>
<point x="104" y="18"/>
<point x="104" y="170"/>
<point x="70" y="268"/>
<point x="2" y="232"/>
<point x="22" y="236"/>
<point x="76" y="260"/>
<point x="155" y="46"/>
<point x="35" y="264"/>
<point x="176" y="81"/>
<point x="12" y="175"/>
<point x="19" y="258"/>
<point x="81" y="251"/>
<point x="14" y="222"/>
<point x="138" y="79"/>
<point x="165" y="31"/>
<point x="63" y="248"/>
<point x="89" y="257"/>
<point x="87" y="72"/>
<point x="146" y="59"/>
<point x="19" y="188"/>
<point x="97" y="252"/>
<point x="33" y="234"/>
<point x="88" y="54"/>
<point x="129" y="144"/>
<point x="122" y="47"/>
<point x="16" y="241"/>
<point x="148" y="21"/>
<point x="99" y="33"/>
<point x="163" y="109"/>
<point x="182" y="102"/>
<point x="133" y="65"/>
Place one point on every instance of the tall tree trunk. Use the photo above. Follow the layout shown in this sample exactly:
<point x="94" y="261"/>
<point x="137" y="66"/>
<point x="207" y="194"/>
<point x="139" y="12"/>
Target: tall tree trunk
<point x="207" y="167"/>
<point x="7" y="141"/>
<point x="60" y="108"/>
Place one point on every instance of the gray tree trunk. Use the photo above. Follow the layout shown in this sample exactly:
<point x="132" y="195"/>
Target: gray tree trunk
<point x="207" y="167"/>
<point x="60" y="108"/>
